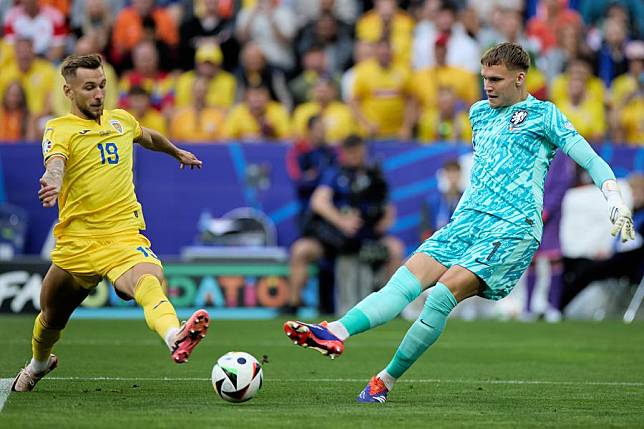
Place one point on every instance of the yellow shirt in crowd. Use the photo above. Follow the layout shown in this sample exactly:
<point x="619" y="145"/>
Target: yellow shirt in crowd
<point x="188" y="125"/>
<point x="559" y="90"/>
<point x="97" y="197"/>
<point x="155" y="120"/>
<point x="37" y="83"/>
<point x="632" y="121"/>
<point x="337" y="116"/>
<point x="382" y="95"/>
<point x="221" y="90"/>
<point x="241" y="124"/>
<point x="464" y="83"/>
<point x="588" y="118"/>
<point x="369" y="29"/>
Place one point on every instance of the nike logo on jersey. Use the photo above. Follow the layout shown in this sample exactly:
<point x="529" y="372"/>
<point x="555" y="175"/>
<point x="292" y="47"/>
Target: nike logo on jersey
<point x="83" y="132"/>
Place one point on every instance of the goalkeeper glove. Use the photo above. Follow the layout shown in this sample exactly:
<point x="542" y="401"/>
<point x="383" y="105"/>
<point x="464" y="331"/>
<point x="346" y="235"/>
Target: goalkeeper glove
<point x="622" y="220"/>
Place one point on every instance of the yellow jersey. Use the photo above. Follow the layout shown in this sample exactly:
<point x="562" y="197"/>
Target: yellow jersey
<point x="588" y="117"/>
<point x="190" y="125"/>
<point x="241" y="124"/>
<point x="622" y="88"/>
<point x="559" y="90"/>
<point x="432" y="128"/>
<point x="369" y="28"/>
<point x="338" y="120"/>
<point x="38" y="83"/>
<point x="632" y="121"/>
<point x="221" y="90"/>
<point x="426" y="83"/>
<point x="97" y="196"/>
<point x="382" y="95"/>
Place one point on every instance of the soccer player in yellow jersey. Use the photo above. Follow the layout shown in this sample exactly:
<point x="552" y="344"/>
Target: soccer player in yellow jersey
<point x="88" y="160"/>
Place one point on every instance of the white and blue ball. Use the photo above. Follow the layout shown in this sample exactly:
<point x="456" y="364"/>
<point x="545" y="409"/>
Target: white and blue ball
<point x="237" y="376"/>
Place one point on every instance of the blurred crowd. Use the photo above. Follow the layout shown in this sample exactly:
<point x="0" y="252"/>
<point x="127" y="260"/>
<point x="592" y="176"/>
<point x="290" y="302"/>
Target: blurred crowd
<point x="217" y="70"/>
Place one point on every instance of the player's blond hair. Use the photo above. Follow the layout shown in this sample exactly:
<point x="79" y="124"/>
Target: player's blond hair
<point x="510" y="55"/>
<point x="75" y="62"/>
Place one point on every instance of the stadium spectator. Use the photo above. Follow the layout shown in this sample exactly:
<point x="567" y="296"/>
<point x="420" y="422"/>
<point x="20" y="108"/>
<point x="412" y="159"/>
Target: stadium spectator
<point x="585" y="112"/>
<point x="381" y="97"/>
<point x="146" y="74"/>
<point x="387" y="21"/>
<point x="15" y="119"/>
<point x="444" y="121"/>
<point x="582" y="69"/>
<point x="595" y="11"/>
<point x="36" y="76"/>
<point x="611" y="58"/>
<point x="626" y="262"/>
<point x="141" y="21"/>
<point x="211" y="25"/>
<point x="141" y="108"/>
<point x="337" y="116"/>
<point x="199" y="122"/>
<point x="464" y="84"/>
<point x="257" y="118"/>
<point x="84" y="46"/>
<point x="462" y="50"/>
<point x="314" y="66"/>
<point x="79" y="15"/>
<point x="272" y="26"/>
<point x="362" y="51"/>
<point x="349" y="208"/>
<point x="551" y="16"/>
<point x="333" y="36"/>
<point x="221" y="84"/>
<point x="306" y="161"/>
<point x="631" y="123"/>
<point x="7" y="55"/>
<point x="560" y="178"/>
<point x="44" y="24"/>
<point x="570" y="45"/>
<point x="439" y="206"/>
<point x="627" y="98"/>
<point x="96" y="21"/>
<point x="625" y="85"/>
<point x="308" y="11"/>
<point x="254" y="71"/>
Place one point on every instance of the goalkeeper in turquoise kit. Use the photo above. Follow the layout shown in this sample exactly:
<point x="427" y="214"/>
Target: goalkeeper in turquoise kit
<point x="493" y="233"/>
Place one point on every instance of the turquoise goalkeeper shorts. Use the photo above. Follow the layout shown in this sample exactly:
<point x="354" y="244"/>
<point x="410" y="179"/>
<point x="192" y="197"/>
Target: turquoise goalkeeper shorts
<point x="497" y="251"/>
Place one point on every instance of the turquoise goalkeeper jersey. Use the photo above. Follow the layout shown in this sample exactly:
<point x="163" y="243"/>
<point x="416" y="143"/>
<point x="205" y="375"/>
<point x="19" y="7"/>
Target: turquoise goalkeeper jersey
<point x="513" y="147"/>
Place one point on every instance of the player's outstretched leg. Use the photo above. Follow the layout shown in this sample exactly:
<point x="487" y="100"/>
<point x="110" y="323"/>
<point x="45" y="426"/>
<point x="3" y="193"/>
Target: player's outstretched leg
<point x="187" y="338"/>
<point x="314" y="336"/>
<point x="161" y="317"/>
<point x="26" y="379"/>
<point x="43" y="362"/>
<point x="376" y="309"/>
<point x="422" y="334"/>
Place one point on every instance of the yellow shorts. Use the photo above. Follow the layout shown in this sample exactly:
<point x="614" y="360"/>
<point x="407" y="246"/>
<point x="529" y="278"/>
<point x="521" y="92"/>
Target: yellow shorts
<point x="87" y="258"/>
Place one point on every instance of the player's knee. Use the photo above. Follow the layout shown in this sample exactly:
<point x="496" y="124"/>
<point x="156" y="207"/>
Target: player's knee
<point x="50" y="319"/>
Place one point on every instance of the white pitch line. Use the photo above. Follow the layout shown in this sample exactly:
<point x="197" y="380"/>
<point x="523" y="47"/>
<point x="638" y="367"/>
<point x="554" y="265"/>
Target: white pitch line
<point x="5" y="389"/>
<point x="356" y="380"/>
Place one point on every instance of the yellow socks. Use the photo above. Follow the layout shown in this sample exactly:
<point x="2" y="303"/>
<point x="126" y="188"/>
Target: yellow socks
<point x="43" y="339"/>
<point x="159" y="313"/>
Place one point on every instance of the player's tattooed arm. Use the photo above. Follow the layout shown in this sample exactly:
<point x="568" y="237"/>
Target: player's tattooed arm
<point x="51" y="181"/>
<point x="153" y="140"/>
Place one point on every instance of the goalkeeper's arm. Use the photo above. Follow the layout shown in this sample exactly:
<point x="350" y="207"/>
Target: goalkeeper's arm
<point x="603" y="176"/>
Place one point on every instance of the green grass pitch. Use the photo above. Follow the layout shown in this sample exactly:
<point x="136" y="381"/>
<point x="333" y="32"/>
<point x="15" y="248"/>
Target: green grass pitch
<point x="479" y="374"/>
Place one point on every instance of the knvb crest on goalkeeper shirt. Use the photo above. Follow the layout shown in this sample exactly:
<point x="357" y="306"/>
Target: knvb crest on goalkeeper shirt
<point x="517" y="118"/>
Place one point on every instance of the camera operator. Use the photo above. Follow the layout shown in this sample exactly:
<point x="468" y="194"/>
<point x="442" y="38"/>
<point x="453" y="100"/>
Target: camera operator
<point x="349" y="214"/>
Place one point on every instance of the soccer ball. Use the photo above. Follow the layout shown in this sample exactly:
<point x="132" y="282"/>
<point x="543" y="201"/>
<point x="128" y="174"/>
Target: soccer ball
<point x="237" y="376"/>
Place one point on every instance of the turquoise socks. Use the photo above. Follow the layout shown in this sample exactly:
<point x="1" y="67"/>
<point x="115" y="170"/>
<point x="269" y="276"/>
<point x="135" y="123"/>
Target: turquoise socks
<point x="424" y="331"/>
<point x="382" y="306"/>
